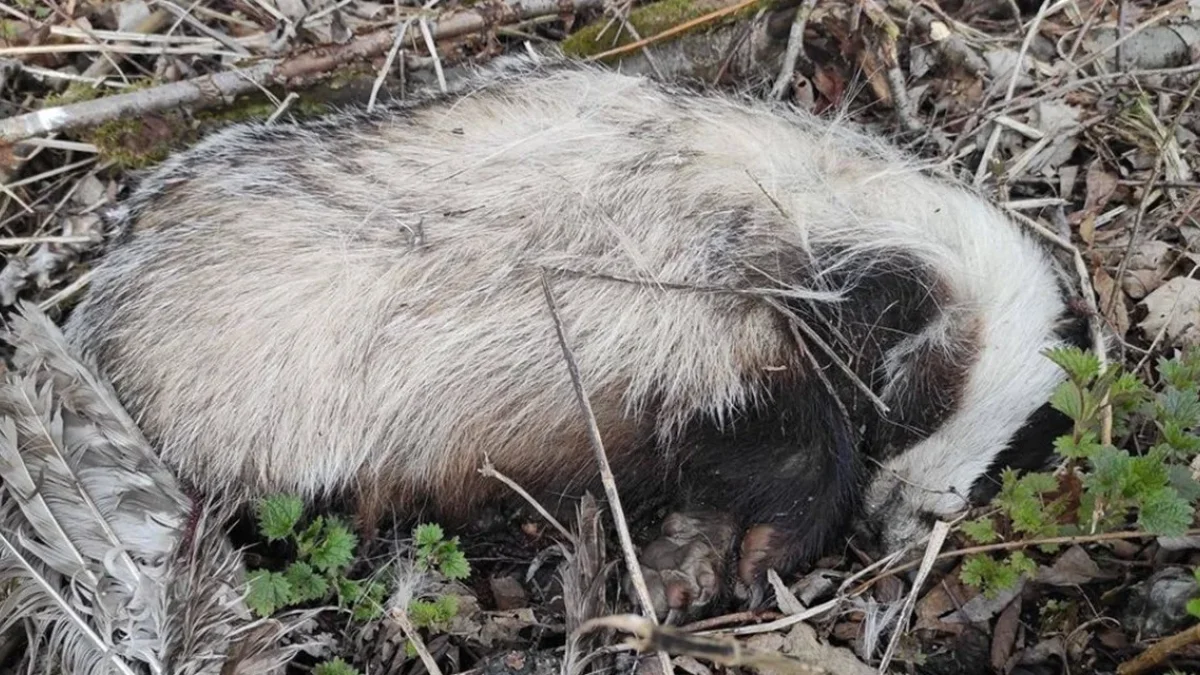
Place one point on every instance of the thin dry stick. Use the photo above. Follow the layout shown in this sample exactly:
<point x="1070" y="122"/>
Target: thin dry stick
<point x="994" y="138"/>
<point x="606" y="476"/>
<point x="489" y="470"/>
<point x="795" y="48"/>
<point x="675" y="30"/>
<point x="414" y="638"/>
<point x="219" y="87"/>
<point x="937" y="538"/>
<point x="401" y="34"/>
<point x="1012" y="545"/>
<point x="1159" y="652"/>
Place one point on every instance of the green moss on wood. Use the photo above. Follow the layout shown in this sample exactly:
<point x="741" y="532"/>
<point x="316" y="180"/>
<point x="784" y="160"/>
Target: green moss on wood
<point x="136" y="143"/>
<point x="652" y="19"/>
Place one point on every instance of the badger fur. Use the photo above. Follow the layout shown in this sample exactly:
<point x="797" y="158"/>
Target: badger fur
<point x="354" y="307"/>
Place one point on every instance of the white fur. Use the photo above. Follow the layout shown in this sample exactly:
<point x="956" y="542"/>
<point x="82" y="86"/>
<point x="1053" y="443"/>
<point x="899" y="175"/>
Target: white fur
<point x="301" y="312"/>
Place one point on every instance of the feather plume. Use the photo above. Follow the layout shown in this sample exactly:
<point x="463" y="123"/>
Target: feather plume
<point x="108" y="564"/>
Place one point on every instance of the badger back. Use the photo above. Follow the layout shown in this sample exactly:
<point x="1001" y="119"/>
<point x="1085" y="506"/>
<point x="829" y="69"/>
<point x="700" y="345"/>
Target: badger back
<point x="355" y="303"/>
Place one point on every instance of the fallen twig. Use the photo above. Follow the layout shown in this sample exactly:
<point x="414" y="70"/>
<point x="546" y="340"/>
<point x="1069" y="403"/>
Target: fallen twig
<point x="954" y="50"/>
<point x="606" y="475"/>
<point x="674" y="30"/>
<point x="489" y="470"/>
<point x="1159" y="652"/>
<point x="795" y="48"/>
<point x="937" y="538"/>
<point x="1010" y="546"/>
<point x="219" y="87"/>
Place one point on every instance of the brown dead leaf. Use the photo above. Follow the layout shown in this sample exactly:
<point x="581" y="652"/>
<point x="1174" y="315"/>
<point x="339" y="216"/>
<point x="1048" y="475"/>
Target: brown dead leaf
<point x="936" y="603"/>
<point x="802" y="641"/>
<point x="1004" y="634"/>
<point x="508" y="593"/>
<point x="1101" y="186"/>
<point x="873" y="67"/>
<point x="1174" y="309"/>
<point x="831" y="85"/>
<point x="1147" y="268"/>
<point x="943" y="601"/>
<point x="1112" y="301"/>
<point x="1073" y="568"/>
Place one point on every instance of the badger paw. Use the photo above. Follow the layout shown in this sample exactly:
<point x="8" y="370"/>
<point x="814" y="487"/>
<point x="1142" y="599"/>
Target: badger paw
<point x="759" y="552"/>
<point x="685" y="568"/>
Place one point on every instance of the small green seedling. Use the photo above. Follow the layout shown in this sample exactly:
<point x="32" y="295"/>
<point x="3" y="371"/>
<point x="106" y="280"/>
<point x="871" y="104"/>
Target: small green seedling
<point x="324" y="552"/>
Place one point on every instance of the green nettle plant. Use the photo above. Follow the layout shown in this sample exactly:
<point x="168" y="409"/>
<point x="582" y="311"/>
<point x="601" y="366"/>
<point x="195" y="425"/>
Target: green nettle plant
<point x="1100" y="487"/>
<point x="324" y="552"/>
<point x="436" y="553"/>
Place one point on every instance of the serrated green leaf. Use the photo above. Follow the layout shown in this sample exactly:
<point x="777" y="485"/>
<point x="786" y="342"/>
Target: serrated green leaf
<point x="454" y="565"/>
<point x="447" y="607"/>
<point x="334" y="548"/>
<point x="348" y="590"/>
<point x="268" y="592"/>
<point x="1022" y="563"/>
<point x="1039" y="482"/>
<point x="1179" y="406"/>
<point x="975" y="569"/>
<point x="1180" y="478"/>
<point x="1081" y="366"/>
<point x="1068" y="400"/>
<point x="423" y="613"/>
<point x="1163" y="512"/>
<point x="278" y="515"/>
<point x="1084" y="448"/>
<point x="310" y="537"/>
<point x="428" y="534"/>
<point x="981" y="531"/>
<point x="306" y="585"/>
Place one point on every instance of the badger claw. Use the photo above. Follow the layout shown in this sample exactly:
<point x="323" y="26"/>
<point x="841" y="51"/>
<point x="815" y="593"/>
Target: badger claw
<point x="685" y="567"/>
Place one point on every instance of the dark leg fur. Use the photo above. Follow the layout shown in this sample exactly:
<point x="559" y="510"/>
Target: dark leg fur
<point x="779" y="484"/>
<point x="788" y="472"/>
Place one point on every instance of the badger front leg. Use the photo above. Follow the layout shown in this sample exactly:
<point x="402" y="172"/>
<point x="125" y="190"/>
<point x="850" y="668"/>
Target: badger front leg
<point x="772" y="490"/>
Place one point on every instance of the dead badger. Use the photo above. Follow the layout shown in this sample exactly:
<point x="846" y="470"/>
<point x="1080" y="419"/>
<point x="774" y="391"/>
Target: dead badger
<point x="778" y="321"/>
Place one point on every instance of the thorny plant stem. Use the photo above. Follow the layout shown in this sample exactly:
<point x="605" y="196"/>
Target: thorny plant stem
<point x="606" y="475"/>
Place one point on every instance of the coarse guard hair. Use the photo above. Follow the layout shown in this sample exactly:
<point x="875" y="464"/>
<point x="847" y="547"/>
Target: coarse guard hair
<point x="773" y="315"/>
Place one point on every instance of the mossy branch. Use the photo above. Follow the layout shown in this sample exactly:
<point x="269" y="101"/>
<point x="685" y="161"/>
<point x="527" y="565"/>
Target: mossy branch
<point x="312" y="64"/>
